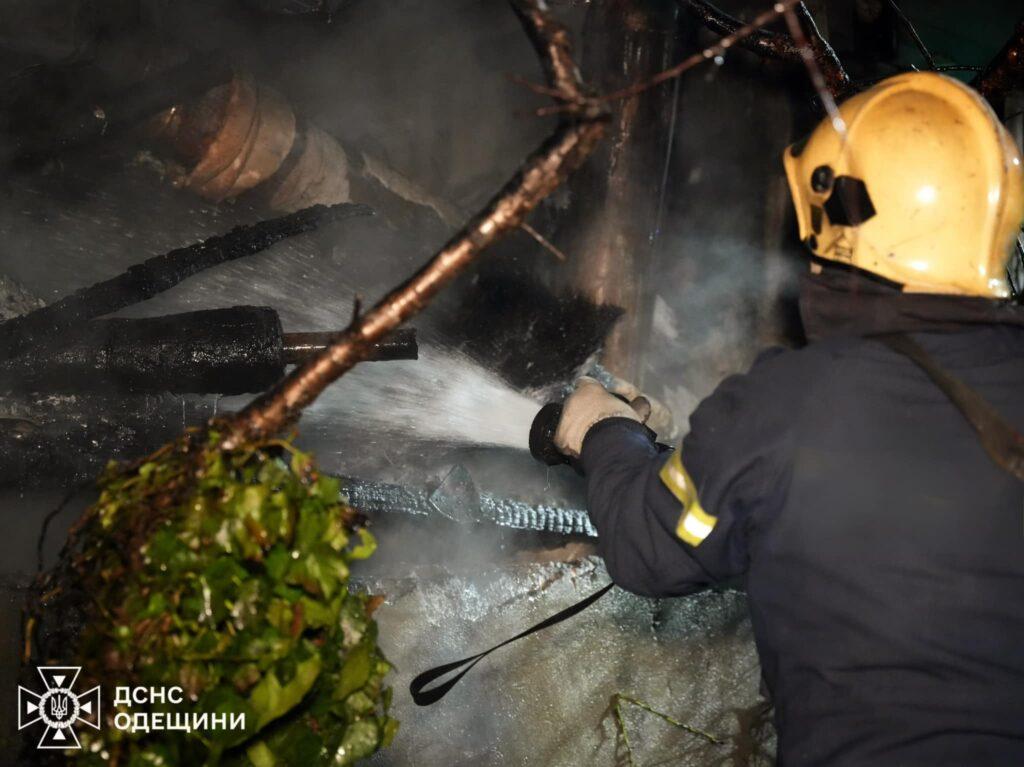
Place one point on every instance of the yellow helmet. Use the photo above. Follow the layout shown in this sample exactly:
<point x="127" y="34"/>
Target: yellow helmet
<point x="923" y="187"/>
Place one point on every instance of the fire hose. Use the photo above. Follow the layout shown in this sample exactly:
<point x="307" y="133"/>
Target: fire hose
<point x="542" y="448"/>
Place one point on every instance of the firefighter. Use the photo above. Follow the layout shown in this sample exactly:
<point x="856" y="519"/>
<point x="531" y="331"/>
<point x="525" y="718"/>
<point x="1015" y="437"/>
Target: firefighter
<point x="881" y="542"/>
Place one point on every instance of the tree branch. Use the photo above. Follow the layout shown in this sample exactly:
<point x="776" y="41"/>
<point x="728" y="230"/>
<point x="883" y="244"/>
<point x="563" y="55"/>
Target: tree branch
<point x="1005" y="72"/>
<point x="775" y="45"/>
<point x="699" y="57"/>
<point x="771" y="45"/>
<point x="580" y="130"/>
<point x="915" y="38"/>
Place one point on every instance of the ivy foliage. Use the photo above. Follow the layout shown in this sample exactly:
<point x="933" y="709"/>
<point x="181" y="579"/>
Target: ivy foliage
<point x="227" y="574"/>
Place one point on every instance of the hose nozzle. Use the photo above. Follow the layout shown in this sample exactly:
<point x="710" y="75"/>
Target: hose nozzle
<point x="542" y="435"/>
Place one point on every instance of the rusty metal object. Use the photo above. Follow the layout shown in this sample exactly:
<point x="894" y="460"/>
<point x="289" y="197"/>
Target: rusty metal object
<point x="317" y="170"/>
<point x="573" y="141"/>
<point x="236" y="137"/>
<point x="1006" y="71"/>
<point x="243" y="136"/>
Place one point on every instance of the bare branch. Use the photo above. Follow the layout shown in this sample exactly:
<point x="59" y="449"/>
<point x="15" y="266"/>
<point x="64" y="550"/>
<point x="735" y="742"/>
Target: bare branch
<point x="836" y="79"/>
<point x="690" y="62"/>
<point x="812" y="62"/>
<point x="543" y="241"/>
<point x="775" y="45"/>
<point x="573" y="141"/>
<point x="908" y="27"/>
<point x="551" y="42"/>
<point x="1006" y="71"/>
<point x="772" y="45"/>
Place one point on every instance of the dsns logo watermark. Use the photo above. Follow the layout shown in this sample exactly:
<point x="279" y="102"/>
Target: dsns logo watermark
<point x="59" y="708"/>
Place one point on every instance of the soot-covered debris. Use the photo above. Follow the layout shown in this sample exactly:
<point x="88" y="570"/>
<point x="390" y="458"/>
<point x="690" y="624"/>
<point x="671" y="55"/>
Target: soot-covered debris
<point x="528" y="334"/>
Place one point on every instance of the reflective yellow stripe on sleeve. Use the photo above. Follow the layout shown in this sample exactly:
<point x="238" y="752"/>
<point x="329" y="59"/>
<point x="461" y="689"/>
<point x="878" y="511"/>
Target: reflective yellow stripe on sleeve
<point x="694" y="523"/>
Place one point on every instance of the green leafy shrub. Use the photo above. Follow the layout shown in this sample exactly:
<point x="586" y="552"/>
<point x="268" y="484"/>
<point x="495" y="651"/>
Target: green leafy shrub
<point x="226" y="574"/>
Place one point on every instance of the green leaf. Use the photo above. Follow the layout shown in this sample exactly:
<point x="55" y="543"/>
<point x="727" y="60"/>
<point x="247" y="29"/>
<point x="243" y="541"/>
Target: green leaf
<point x="224" y="700"/>
<point x="358" y="704"/>
<point x="156" y="605"/>
<point x="367" y="546"/>
<point x="295" y="746"/>
<point x="251" y="501"/>
<point x="316" y="614"/>
<point x="270" y="699"/>
<point x="361" y="739"/>
<point x="390" y="730"/>
<point x="299" y="463"/>
<point x="260" y="755"/>
<point x="328" y="488"/>
<point x="355" y="673"/>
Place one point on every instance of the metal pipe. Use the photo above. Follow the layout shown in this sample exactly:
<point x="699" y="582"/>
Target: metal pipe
<point x="235" y="350"/>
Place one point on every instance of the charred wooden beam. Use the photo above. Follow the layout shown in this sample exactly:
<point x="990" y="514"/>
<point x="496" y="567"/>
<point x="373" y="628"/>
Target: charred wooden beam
<point x="157" y="274"/>
<point x="619" y="194"/>
<point x="582" y="126"/>
<point x="55" y="440"/>
<point x="234" y="350"/>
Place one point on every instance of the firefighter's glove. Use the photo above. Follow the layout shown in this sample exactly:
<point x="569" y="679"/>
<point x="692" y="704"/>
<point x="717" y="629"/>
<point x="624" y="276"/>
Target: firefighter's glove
<point x="586" y="406"/>
<point x="657" y="417"/>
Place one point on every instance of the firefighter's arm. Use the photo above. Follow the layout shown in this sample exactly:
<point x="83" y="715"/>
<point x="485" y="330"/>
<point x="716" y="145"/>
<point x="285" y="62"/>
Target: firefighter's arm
<point x="670" y="523"/>
<point x="636" y="515"/>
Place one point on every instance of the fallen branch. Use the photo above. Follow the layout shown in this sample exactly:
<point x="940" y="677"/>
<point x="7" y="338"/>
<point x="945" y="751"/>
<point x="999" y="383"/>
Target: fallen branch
<point x="1005" y="72"/>
<point x="775" y="45"/>
<point x="618" y="699"/>
<point x="157" y="274"/>
<point x="581" y="128"/>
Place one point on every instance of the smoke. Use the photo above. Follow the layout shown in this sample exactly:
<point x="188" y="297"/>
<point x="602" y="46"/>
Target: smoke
<point x="722" y="277"/>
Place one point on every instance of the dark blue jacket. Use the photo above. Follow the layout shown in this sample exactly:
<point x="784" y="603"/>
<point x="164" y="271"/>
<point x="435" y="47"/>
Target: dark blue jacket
<point x="882" y="549"/>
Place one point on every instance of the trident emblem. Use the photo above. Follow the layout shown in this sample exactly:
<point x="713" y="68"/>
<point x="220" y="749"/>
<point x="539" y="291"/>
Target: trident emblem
<point x="59" y="707"/>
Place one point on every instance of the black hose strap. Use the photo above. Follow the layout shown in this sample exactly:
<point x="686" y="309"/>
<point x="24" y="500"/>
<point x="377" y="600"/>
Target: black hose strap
<point x="422" y="697"/>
